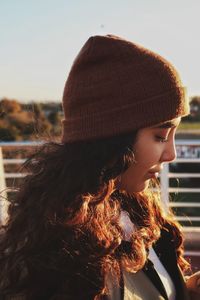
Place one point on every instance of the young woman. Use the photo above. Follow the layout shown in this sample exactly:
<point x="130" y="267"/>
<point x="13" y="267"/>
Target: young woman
<point x="87" y="223"/>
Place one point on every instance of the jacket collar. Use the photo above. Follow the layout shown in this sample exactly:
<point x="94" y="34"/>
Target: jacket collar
<point x="165" y="249"/>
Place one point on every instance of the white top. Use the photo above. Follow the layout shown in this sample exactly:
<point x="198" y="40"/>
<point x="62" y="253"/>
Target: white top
<point x="128" y="228"/>
<point x="163" y="274"/>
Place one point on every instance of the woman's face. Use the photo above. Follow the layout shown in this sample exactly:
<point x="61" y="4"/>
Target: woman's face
<point x="153" y="146"/>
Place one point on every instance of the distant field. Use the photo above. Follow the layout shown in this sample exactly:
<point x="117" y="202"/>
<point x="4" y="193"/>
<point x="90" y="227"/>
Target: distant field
<point x="189" y="125"/>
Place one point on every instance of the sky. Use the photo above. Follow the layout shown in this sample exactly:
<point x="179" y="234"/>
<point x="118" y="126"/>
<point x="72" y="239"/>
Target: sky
<point x="39" y="39"/>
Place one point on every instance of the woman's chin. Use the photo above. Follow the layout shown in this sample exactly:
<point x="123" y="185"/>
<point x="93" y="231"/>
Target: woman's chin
<point x="140" y="187"/>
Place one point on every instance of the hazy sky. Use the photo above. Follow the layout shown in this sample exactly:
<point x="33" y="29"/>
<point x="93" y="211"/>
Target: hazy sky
<point x="39" y="39"/>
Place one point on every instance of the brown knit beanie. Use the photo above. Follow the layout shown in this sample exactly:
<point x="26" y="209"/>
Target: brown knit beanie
<point x="115" y="87"/>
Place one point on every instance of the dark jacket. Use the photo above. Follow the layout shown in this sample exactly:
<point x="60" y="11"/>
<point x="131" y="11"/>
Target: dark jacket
<point x="166" y="252"/>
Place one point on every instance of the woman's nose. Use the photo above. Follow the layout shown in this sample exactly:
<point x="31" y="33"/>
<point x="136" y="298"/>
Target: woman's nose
<point x="169" y="153"/>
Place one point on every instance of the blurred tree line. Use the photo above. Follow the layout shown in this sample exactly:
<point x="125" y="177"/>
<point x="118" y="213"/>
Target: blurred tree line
<point x="29" y="121"/>
<point x="37" y="120"/>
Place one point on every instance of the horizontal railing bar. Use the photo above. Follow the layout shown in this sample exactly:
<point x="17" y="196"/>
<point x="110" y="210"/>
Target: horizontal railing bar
<point x="21" y="144"/>
<point x="178" y="142"/>
<point x="15" y="175"/>
<point x="184" y="204"/>
<point x="187" y="160"/>
<point x="191" y="229"/>
<point x="191" y="253"/>
<point x="187" y="142"/>
<point x="8" y="161"/>
<point x="187" y="218"/>
<point x="184" y="190"/>
<point x="184" y="175"/>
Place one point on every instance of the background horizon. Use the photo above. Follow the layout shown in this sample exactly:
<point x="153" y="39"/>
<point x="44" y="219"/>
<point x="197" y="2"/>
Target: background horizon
<point x="40" y="39"/>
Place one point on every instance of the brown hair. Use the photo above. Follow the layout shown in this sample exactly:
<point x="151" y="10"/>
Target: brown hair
<point x="64" y="235"/>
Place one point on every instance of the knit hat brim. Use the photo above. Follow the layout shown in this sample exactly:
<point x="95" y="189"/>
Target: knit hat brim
<point x="122" y="120"/>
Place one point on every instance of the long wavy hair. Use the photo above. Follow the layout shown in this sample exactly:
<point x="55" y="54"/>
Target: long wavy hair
<point x="64" y="235"/>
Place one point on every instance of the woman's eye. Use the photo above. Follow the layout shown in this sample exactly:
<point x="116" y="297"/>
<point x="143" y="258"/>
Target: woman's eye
<point x="161" y="139"/>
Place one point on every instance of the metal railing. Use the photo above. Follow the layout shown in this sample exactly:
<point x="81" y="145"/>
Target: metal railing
<point x="166" y="189"/>
<point x="164" y="176"/>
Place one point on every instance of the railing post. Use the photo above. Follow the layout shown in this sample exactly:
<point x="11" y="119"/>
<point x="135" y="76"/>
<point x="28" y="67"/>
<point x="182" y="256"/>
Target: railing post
<point x="164" y="181"/>
<point x="3" y="194"/>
